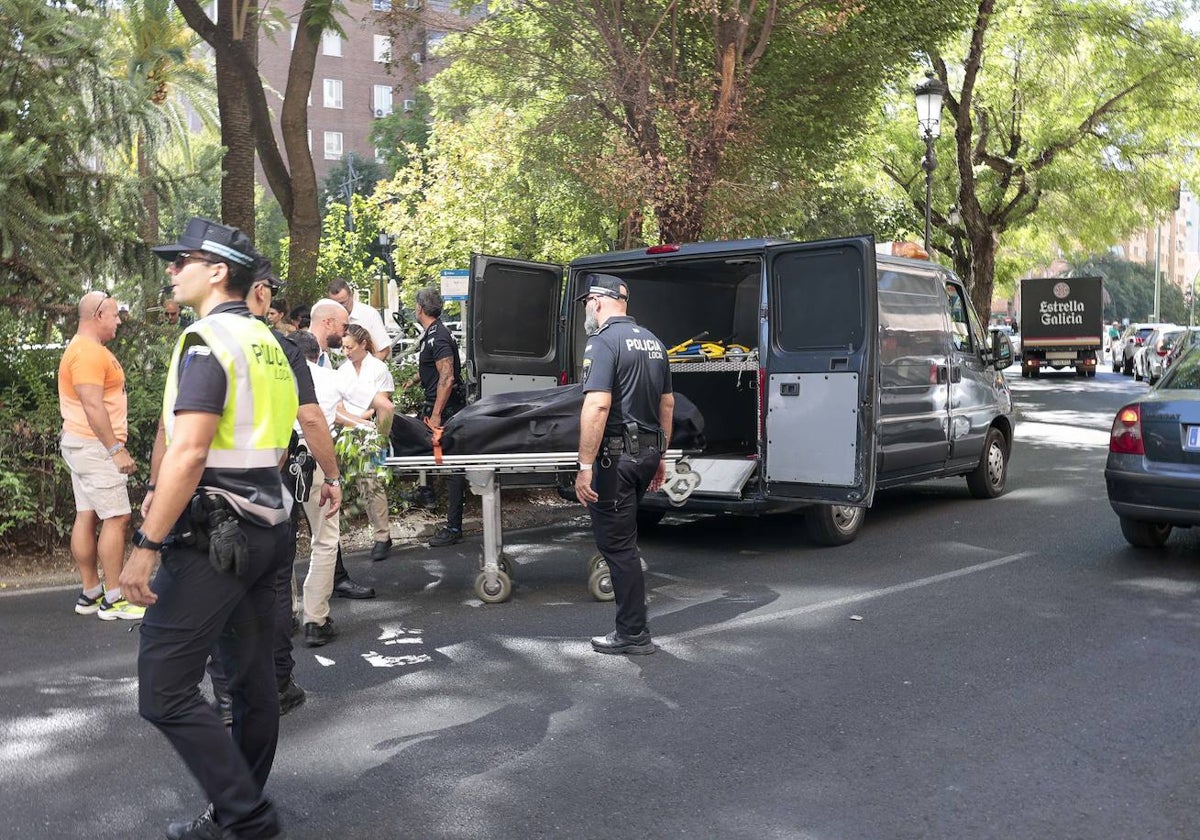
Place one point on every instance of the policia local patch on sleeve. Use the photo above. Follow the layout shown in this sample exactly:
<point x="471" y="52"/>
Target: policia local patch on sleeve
<point x="587" y="368"/>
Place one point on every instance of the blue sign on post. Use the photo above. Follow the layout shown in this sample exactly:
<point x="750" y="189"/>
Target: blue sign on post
<point x="455" y="283"/>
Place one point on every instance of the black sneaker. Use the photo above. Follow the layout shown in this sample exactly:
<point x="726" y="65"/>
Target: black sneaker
<point x="614" y="642"/>
<point x="291" y="696"/>
<point x="316" y="635"/>
<point x="204" y="827"/>
<point x="446" y="536"/>
<point x="380" y="550"/>
<point x="422" y="497"/>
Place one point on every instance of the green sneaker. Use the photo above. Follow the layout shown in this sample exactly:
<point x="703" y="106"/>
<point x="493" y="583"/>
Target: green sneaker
<point x="120" y="609"/>
<point x="87" y="606"/>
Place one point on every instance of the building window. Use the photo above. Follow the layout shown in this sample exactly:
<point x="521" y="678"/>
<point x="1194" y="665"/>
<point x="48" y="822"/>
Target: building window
<point x="381" y="5"/>
<point x="333" y="93"/>
<point x="333" y="145"/>
<point x="383" y="48"/>
<point x="434" y="40"/>
<point x="331" y="43"/>
<point x="379" y="158"/>
<point x="381" y="100"/>
<point x="439" y="5"/>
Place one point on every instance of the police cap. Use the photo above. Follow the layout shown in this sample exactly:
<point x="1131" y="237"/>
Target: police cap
<point x="214" y="238"/>
<point x="606" y="285"/>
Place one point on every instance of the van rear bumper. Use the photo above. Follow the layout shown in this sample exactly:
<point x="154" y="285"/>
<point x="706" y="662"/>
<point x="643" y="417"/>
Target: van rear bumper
<point x="745" y="507"/>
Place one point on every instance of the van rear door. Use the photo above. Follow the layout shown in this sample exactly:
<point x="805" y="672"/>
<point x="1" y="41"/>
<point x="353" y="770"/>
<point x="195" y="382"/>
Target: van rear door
<point x="820" y="401"/>
<point x="512" y="325"/>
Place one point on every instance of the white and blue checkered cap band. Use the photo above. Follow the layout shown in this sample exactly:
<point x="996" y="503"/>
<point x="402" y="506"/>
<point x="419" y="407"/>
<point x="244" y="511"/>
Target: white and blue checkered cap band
<point x="600" y="290"/>
<point x="227" y="252"/>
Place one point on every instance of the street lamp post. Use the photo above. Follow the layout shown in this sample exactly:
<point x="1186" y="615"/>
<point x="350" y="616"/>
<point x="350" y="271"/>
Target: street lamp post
<point x="929" y="120"/>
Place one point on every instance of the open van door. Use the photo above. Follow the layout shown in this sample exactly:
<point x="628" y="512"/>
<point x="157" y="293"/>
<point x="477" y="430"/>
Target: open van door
<point x="512" y="325"/>
<point x="820" y="401"/>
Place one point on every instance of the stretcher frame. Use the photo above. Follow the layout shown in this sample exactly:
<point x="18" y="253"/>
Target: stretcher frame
<point x="493" y="585"/>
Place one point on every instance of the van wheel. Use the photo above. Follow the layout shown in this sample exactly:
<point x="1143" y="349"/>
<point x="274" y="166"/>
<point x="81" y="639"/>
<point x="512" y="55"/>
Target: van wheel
<point x="987" y="480"/>
<point x="834" y="524"/>
<point x="649" y="518"/>
<point x="1144" y="534"/>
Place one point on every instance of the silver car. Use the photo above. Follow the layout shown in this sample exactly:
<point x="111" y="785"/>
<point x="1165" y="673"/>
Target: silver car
<point x="1153" y="469"/>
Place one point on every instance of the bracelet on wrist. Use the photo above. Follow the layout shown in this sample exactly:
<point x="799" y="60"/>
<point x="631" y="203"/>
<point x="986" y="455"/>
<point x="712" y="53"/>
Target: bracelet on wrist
<point x="115" y="448"/>
<point x="150" y="486"/>
<point x="583" y="466"/>
<point x="333" y="482"/>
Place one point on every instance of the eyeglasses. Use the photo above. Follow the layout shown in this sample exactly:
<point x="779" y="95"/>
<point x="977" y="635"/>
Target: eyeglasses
<point x="96" y="314"/>
<point x="184" y="257"/>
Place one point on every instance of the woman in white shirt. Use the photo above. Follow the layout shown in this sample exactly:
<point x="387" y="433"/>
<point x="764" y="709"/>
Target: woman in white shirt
<point x="366" y="387"/>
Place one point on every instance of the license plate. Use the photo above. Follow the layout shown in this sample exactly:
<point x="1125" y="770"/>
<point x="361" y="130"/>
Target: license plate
<point x="1192" y="439"/>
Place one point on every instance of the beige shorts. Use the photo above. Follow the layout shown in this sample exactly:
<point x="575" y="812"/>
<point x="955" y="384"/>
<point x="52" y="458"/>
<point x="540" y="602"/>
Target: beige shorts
<point x="97" y="482"/>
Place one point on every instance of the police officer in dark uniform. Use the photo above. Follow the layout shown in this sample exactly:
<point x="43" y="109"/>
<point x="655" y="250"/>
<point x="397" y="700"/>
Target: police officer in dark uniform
<point x="625" y="427"/>
<point x="440" y="369"/>
<point x="220" y="519"/>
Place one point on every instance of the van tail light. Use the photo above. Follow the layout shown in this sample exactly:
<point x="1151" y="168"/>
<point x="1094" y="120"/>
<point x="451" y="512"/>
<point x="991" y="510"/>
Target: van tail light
<point x="562" y="377"/>
<point x="1126" y="437"/>
<point x="762" y="403"/>
<point x="662" y="249"/>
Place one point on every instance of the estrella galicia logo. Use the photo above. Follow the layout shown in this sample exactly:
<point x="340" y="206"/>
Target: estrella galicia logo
<point x="1062" y="290"/>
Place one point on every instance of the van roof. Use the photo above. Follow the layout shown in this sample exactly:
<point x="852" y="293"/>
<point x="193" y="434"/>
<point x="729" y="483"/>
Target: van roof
<point x="725" y="247"/>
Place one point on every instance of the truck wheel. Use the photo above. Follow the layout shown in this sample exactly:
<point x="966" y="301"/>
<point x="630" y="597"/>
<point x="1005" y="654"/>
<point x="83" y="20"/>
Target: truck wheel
<point x="1091" y="373"/>
<point x="987" y="480"/>
<point x="1144" y="534"/>
<point x="834" y="524"/>
<point x="1081" y="372"/>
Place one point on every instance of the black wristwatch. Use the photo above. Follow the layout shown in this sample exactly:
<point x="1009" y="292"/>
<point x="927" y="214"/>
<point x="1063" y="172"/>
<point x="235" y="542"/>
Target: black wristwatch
<point x="140" y="540"/>
<point x="333" y="482"/>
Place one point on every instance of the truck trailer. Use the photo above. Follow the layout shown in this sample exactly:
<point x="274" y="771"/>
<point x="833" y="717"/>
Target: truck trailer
<point x="1061" y="322"/>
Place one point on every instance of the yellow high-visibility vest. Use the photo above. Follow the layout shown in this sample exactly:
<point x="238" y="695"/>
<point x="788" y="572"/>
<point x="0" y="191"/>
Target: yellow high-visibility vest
<point x="260" y="407"/>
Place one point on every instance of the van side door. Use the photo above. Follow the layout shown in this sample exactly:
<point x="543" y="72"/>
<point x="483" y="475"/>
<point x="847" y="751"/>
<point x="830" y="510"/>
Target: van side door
<point x="512" y="325"/>
<point x="973" y="402"/>
<point x="819" y="399"/>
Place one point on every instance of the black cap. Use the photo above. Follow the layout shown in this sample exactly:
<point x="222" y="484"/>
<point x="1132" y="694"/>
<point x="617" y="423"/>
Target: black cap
<point x="263" y="272"/>
<point x="223" y="241"/>
<point x="606" y="285"/>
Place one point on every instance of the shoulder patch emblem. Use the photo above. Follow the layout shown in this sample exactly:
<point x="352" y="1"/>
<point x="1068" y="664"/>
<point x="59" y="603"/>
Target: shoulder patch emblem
<point x="587" y="368"/>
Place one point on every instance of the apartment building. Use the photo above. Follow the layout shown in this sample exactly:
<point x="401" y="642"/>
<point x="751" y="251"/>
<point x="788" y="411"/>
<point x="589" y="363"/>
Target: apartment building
<point x="363" y="76"/>
<point x="1174" y="243"/>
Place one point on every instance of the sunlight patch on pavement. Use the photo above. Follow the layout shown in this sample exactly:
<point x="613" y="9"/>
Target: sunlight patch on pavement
<point x="1163" y="586"/>
<point x="324" y="661"/>
<point x="1060" y="435"/>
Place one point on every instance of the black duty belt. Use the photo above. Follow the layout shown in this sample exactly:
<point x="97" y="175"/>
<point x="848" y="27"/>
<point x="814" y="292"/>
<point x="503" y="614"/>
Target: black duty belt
<point x="631" y="439"/>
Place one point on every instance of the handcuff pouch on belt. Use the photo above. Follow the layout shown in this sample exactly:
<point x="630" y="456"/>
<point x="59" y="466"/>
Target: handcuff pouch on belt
<point x="210" y="524"/>
<point x="299" y="469"/>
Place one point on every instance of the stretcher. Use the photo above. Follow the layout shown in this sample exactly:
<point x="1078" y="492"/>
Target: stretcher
<point x="493" y="585"/>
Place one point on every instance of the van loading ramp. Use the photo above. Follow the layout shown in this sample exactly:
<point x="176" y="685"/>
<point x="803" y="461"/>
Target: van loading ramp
<point x="493" y="585"/>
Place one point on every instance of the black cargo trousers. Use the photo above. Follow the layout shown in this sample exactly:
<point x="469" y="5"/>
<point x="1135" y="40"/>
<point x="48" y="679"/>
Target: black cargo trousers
<point x="198" y="607"/>
<point x="456" y="483"/>
<point x="620" y="481"/>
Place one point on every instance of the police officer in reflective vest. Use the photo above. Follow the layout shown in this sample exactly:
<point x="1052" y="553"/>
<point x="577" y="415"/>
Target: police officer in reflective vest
<point x="625" y="427"/>
<point x="220" y="521"/>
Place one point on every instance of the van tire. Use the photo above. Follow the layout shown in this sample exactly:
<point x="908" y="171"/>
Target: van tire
<point x="834" y="524"/>
<point x="1143" y="534"/>
<point x="648" y="519"/>
<point x="987" y="480"/>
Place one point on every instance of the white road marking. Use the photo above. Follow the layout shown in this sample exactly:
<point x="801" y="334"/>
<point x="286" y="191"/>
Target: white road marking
<point x="754" y="620"/>
<point x="324" y="661"/>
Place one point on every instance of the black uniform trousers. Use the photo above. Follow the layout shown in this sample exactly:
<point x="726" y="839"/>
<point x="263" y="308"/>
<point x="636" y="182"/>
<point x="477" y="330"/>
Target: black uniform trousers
<point x="198" y="606"/>
<point x="456" y="484"/>
<point x="620" y="482"/>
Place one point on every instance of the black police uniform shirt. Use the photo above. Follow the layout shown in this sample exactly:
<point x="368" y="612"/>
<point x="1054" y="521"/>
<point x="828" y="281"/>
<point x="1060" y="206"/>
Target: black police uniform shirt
<point x="436" y="344"/>
<point x="202" y="385"/>
<point x="631" y="363"/>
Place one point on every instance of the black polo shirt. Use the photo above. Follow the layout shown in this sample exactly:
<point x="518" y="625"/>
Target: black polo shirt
<point x="436" y="343"/>
<point x="631" y="363"/>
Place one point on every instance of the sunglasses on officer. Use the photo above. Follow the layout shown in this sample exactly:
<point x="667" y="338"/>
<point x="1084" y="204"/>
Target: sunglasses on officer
<point x="99" y="305"/>
<point x="184" y="257"/>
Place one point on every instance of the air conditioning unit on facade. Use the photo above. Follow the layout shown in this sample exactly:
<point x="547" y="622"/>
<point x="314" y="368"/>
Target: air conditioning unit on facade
<point x="410" y="105"/>
<point x="379" y="112"/>
<point x="417" y="58"/>
<point x="412" y="4"/>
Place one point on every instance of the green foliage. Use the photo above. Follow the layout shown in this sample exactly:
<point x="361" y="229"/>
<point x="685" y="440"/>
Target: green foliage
<point x="367" y="173"/>
<point x="1129" y="289"/>
<point x="401" y="130"/>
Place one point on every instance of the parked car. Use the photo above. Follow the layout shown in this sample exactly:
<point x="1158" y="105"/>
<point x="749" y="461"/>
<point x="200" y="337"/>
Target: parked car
<point x="1153" y="469"/>
<point x="1183" y="342"/>
<point x="1158" y="350"/>
<point x="1147" y="359"/>
<point x="1133" y="338"/>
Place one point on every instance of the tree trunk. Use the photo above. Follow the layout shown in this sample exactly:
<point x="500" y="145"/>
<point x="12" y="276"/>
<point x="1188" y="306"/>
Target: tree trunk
<point x="983" y="272"/>
<point x="237" y="167"/>
<point x="304" y="218"/>
<point x="149" y="193"/>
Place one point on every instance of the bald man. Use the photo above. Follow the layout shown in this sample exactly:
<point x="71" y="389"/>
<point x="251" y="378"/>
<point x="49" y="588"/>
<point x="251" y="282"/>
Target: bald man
<point x="92" y="401"/>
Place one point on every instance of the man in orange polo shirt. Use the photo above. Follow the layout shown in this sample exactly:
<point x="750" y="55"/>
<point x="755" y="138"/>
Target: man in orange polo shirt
<point x="94" y="408"/>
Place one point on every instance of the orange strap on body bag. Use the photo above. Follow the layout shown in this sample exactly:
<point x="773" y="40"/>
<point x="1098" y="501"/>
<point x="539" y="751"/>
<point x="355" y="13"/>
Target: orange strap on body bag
<point x="437" y="441"/>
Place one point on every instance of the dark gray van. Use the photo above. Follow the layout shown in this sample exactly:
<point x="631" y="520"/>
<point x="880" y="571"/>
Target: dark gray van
<point x="860" y="371"/>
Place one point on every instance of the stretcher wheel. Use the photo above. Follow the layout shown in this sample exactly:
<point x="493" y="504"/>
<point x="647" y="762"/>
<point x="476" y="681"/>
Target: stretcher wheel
<point x="600" y="583"/>
<point x="498" y="594"/>
<point x="595" y="562"/>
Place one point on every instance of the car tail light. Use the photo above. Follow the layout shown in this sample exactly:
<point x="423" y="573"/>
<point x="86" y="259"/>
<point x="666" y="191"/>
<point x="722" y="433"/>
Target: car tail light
<point x="1162" y="351"/>
<point x="662" y="249"/>
<point x="1126" y="437"/>
<point x="1137" y="340"/>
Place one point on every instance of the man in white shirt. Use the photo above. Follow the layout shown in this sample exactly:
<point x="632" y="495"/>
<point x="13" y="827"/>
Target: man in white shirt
<point x="365" y="316"/>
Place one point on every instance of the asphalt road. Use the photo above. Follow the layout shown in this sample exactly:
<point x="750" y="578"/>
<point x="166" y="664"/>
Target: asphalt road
<point x="965" y="669"/>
